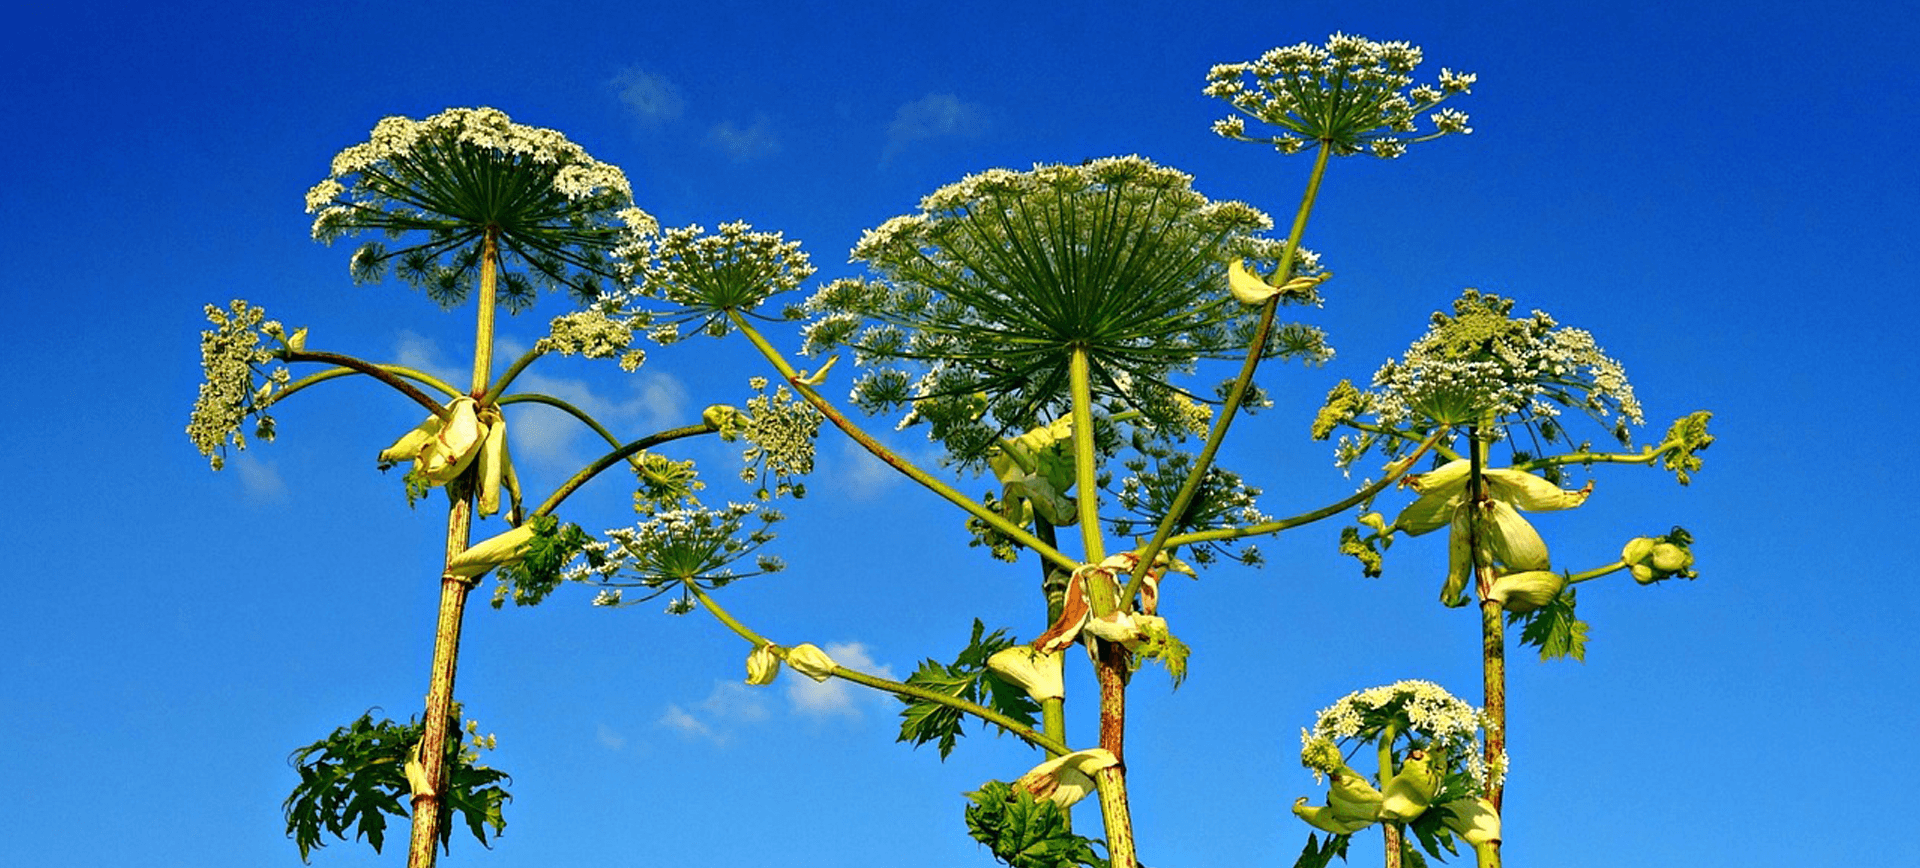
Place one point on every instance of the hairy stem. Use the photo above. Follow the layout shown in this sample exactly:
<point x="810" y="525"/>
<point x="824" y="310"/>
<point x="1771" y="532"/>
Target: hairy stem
<point x="623" y="453"/>
<point x="1110" y="669"/>
<point x="1493" y="637"/>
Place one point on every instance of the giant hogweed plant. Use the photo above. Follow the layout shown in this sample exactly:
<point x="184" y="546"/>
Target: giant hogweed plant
<point x="1053" y="328"/>
<point x="477" y="207"/>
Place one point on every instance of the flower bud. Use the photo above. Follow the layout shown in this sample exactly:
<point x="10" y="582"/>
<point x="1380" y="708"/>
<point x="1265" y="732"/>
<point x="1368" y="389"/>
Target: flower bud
<point x="762" y="665"/>
<point x="1474" y="820"/>
<point x="1352" y="798"/>
<point x="1064" y="780"/>
<point x="810" y="661"/>
<point x="1527" y="591"/>
<point x="501" y="549"/>
<point x="1036" y="672"/>
<point x="1322" y="817"/>
<point x="1670" y="558"/>
<point x="1411" y="791"/>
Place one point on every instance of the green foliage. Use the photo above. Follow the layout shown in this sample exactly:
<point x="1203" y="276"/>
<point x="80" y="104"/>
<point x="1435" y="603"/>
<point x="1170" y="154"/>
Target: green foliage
<point x="541" y="566"/>
<point x="1319" y="854"/>
<point x="1554" y="629"/>
<point x="1024" y="832"/>
<point x="967" y="678"/>
<point x="356" y="776"/>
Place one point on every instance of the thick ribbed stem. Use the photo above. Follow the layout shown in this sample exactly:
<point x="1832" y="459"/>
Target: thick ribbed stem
<point x="428" y="803"/>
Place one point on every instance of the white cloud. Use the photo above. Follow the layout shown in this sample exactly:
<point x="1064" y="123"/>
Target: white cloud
<point x="259" y="479"/>
<point x="836" y="697"/>
<point x="859" y="476"/>
<point x="730" y="705"/>
<point x="936" y="115"/>
<point x="651" y="97"/>
<point x="419" y="352"/>
<point x="548" y="436"/>
<point x="744" y="143"/>
<point x="609" y="738"/>
<point x="678" y="719"/>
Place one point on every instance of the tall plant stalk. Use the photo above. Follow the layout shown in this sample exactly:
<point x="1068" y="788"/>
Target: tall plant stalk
<point x="423" y="845"/>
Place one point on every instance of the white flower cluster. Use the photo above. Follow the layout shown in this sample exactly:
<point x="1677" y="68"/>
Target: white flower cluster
<point x="1478" y="363"/>
<point x="674" y="547"/>
<point x="782" y="430"/>
<point x="1350" y="95"/>
<point x="1452" y="725"/>
<point x="705" y="275"/>
<point x="595" y="335"/>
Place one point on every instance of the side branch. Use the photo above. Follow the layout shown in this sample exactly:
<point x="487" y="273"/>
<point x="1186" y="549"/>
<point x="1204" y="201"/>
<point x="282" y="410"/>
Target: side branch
<point x="391" y="375"/>
<point x="832" y="414"/>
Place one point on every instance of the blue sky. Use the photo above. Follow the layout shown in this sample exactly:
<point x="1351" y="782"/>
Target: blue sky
<point x="1722" y="193"/>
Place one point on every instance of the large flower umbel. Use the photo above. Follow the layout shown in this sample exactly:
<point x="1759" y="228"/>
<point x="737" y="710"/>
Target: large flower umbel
<point x="987" y="291"/>
<point x="1351" y="96"/>
<point x="470" y="177"/>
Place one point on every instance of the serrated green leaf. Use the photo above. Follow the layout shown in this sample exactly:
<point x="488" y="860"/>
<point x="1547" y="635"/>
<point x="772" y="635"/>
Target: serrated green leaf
<point x="924" y="721"/>
<point x="1554" y="629"/>
<point x="355" y="778"/>
<point x="1025" y="832"/>
<point x="1320" y="854"/>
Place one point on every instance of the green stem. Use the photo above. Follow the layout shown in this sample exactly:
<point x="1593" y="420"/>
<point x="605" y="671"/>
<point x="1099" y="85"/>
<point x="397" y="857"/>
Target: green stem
<point x="1392" y="475"/>
<point x="949" y="493"/>
<point x="1596" y="572"/>
<point x="1493" y="637"/>
<point x="513" y="371"/>
<point x="1218" y="431"/>
<point x="580" y="478"/>
<point x="391" y="375"/>
<point x="1051" y="745"/>
<point x="569" y="409"/>
<point x="1085" y="470"/>
<point x="1583" y="457"/>
<point x="423" y="845"/>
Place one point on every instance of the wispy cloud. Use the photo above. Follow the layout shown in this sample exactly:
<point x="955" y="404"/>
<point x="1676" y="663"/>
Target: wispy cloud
<point x="259" y="479"/>
<point x="609" y="738"/>
<point x="730" y="705"/>
<point x="834" y="697"/>
<point x="650" y="98"/>
<point x="415" y="350"/>
<point x="744" y="143"/>
<point x="858" y="475"/>
<point x="547" y="436"/>
<point x="936" y="115"/>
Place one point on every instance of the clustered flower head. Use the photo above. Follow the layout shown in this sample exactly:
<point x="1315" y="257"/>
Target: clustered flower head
<point x="1351" y="95"/>
<point x="984" y="293"/>
<point x="1154" y="478"/>
<point x="233" y="360"/>
<point x="464" y="176"/>
<point x="1477" y="366"/>
<point x="703" y="276"/>
<point x="1430" y="759"/>
<point x="780" y="430"/>
<point x="672" y="549"/>
<point x="595" y="334"/>
<point x="1444" y="723"/>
